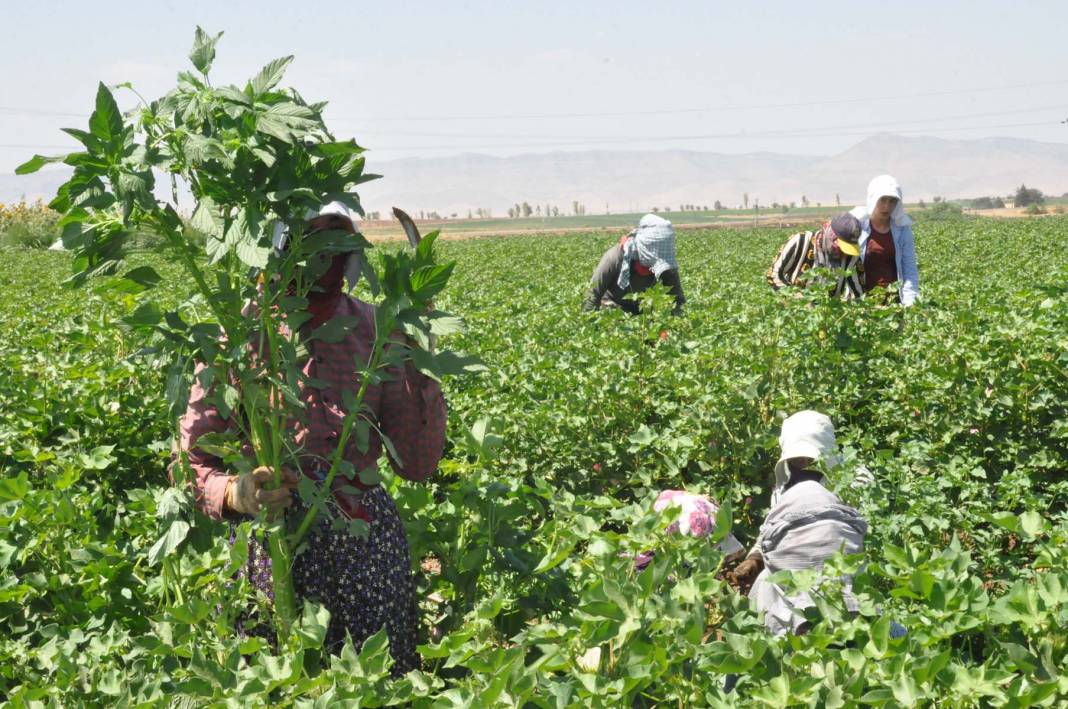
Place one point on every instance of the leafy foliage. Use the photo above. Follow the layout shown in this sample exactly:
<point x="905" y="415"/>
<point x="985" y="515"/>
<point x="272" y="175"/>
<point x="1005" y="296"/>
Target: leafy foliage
<point x="258" y="160"/>
<point x="524" y="540"/>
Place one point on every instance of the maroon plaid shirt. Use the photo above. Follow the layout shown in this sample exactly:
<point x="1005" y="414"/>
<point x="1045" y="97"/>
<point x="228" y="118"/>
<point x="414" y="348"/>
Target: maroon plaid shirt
<point x="409" y="409"/>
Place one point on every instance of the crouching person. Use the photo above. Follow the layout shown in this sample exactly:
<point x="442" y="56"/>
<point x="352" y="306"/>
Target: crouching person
<point x="834" y="247"/>
<point x="642" y="258"/>
<point x="806" y="525"/>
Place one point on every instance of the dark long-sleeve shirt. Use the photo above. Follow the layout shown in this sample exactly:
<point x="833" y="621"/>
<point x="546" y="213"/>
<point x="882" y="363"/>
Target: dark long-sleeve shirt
<point x="605" y="282"/>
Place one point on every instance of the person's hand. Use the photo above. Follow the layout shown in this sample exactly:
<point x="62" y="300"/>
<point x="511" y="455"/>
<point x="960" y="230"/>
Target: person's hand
<point x="745" y="573"/>
<point x="246" y="493"/>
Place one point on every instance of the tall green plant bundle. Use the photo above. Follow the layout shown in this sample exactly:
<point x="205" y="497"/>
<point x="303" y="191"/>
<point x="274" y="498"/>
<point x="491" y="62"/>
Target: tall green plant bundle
<point x="257" y="159"/>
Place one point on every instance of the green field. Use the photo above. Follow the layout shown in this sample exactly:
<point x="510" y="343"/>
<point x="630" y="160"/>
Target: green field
<point x="958" y="407"/>
<point x="764" y="216"/>
<point x="604" y="221"/>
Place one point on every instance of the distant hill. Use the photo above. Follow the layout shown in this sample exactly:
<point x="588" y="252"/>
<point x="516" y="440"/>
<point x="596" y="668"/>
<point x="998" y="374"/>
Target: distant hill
<point x="637" y="180"/>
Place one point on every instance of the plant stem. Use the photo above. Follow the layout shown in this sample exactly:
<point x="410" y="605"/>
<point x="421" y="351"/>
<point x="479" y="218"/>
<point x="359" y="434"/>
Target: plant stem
<point x="346" y="430"/>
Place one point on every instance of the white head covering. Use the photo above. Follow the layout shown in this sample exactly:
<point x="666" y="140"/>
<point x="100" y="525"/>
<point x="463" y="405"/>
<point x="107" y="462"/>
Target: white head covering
<point x="884" y="186"/>
<point x="654" y="247"/>
<point x="806" y="434"/>
<point x="356" y="262"/>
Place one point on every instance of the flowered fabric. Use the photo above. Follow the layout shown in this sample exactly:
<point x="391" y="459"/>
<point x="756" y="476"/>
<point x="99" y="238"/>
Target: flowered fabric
<point x="697" y="516"/>
<point x="365" y="584"/>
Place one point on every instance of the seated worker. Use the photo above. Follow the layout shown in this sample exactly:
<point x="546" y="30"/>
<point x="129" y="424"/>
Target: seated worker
<point x="806" y="525"/>
<point x="835" y="246"/>
<point x="640" y="259"/>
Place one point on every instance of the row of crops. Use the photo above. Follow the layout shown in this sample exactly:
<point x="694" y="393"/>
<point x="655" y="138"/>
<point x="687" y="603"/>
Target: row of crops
<point x="522" y="543"/>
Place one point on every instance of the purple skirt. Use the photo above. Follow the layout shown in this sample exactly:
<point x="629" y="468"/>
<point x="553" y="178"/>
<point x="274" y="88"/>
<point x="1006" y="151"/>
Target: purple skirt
<point x="365" y="584"/>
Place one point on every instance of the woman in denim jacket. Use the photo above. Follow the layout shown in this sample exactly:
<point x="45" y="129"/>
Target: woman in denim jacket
<point x="887" y="246"/>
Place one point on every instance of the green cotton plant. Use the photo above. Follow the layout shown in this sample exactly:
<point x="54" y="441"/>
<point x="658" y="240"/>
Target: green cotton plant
<point x="256" y="159"/>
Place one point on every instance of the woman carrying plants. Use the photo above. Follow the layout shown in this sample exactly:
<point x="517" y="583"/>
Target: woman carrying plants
<point x="641" y="258"/>
<point x="365" y="582"/>
<point x="887" y="246"/>
<point x="834" y="246"/>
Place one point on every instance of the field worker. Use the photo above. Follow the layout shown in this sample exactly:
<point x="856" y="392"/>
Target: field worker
<point x="694" y="515"/>
<point x="640" y="259"/>
<point x="834" y="246"/>
<point x="364" y="583"/>
<point x="806" y="525"/>
<point x="887" y="246"/>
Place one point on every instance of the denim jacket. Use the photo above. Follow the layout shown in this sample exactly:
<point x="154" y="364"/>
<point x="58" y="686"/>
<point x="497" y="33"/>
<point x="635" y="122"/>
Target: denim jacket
<point x="908" y="274"/>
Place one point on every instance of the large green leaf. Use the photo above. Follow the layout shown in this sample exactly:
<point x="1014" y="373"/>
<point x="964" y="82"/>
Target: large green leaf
<point x="105" y="123"/>
<point x="269" y="76"/>
<point x="36" y="163"/>
<point x="171" y="540"/>
<point x="203" y="52"/>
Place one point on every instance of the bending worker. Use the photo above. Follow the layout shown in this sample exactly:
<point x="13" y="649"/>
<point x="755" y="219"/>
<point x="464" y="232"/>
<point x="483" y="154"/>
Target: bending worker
<point x="835" y="246"/>
<point x="640" y="259"/>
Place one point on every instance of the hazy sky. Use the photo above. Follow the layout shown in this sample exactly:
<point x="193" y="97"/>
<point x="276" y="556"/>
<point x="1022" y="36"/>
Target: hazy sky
<point x="437" y="78"/>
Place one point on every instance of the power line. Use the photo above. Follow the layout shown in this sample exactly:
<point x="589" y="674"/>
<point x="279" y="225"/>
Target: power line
<point x="653" y="112"/>
<point x="791" y="132"/>
<point x="711" y="109"/>
<point x="740" y="135"/>
<point x="799" y="131"/>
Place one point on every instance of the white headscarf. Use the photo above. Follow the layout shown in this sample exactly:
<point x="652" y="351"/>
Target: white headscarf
<point x="654" y="247"/>
<point x="806" y="434"/>
<point x="884" y="186"/>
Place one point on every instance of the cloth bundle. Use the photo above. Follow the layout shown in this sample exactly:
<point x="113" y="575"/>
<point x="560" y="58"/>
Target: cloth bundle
<point x="697" y="517"/>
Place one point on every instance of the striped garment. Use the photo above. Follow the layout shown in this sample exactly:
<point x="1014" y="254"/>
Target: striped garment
<point x="798" y="255"/>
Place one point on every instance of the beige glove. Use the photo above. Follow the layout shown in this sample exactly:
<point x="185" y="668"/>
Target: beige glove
<point x="247" y="495"/>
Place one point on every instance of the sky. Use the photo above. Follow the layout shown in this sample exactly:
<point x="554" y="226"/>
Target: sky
<point x="422" y="79"/>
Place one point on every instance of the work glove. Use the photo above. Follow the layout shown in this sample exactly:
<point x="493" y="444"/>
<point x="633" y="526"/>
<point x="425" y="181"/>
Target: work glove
<point x="745" y="573"/>
<point x="246" y="493"/>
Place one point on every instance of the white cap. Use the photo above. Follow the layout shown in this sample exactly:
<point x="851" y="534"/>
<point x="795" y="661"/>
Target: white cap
<point x="339" y="208"/>
<point x="806" y="434"/>
<point x="281" y="234"/>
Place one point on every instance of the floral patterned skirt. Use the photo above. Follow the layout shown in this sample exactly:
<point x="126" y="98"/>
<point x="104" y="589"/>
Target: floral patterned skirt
<point x="364" y="583"/>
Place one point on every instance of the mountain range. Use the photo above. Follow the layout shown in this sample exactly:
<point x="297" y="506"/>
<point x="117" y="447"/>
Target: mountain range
<point x="632" y="181"/>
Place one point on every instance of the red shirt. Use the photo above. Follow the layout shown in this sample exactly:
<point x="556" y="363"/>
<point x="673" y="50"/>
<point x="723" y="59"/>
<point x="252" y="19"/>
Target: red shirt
<point x="409" y="409"/>
<point x="880" y="264"/>
<point x="636" y="264"/>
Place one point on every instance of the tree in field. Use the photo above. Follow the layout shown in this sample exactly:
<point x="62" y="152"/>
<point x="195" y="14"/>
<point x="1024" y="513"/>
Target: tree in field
<point x="656" y="210"/>
<point x="556" y="211"/>
<point x="1025" y="196"/>
<point x="527" y="211"/>
<point x="804" y="201"/>
<point x="718" y="205"/>
<point x="837" y="200"/>
<point x="745" y="199"/>
<point x="511" y="212"/>
<point x="537" y="210"/>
